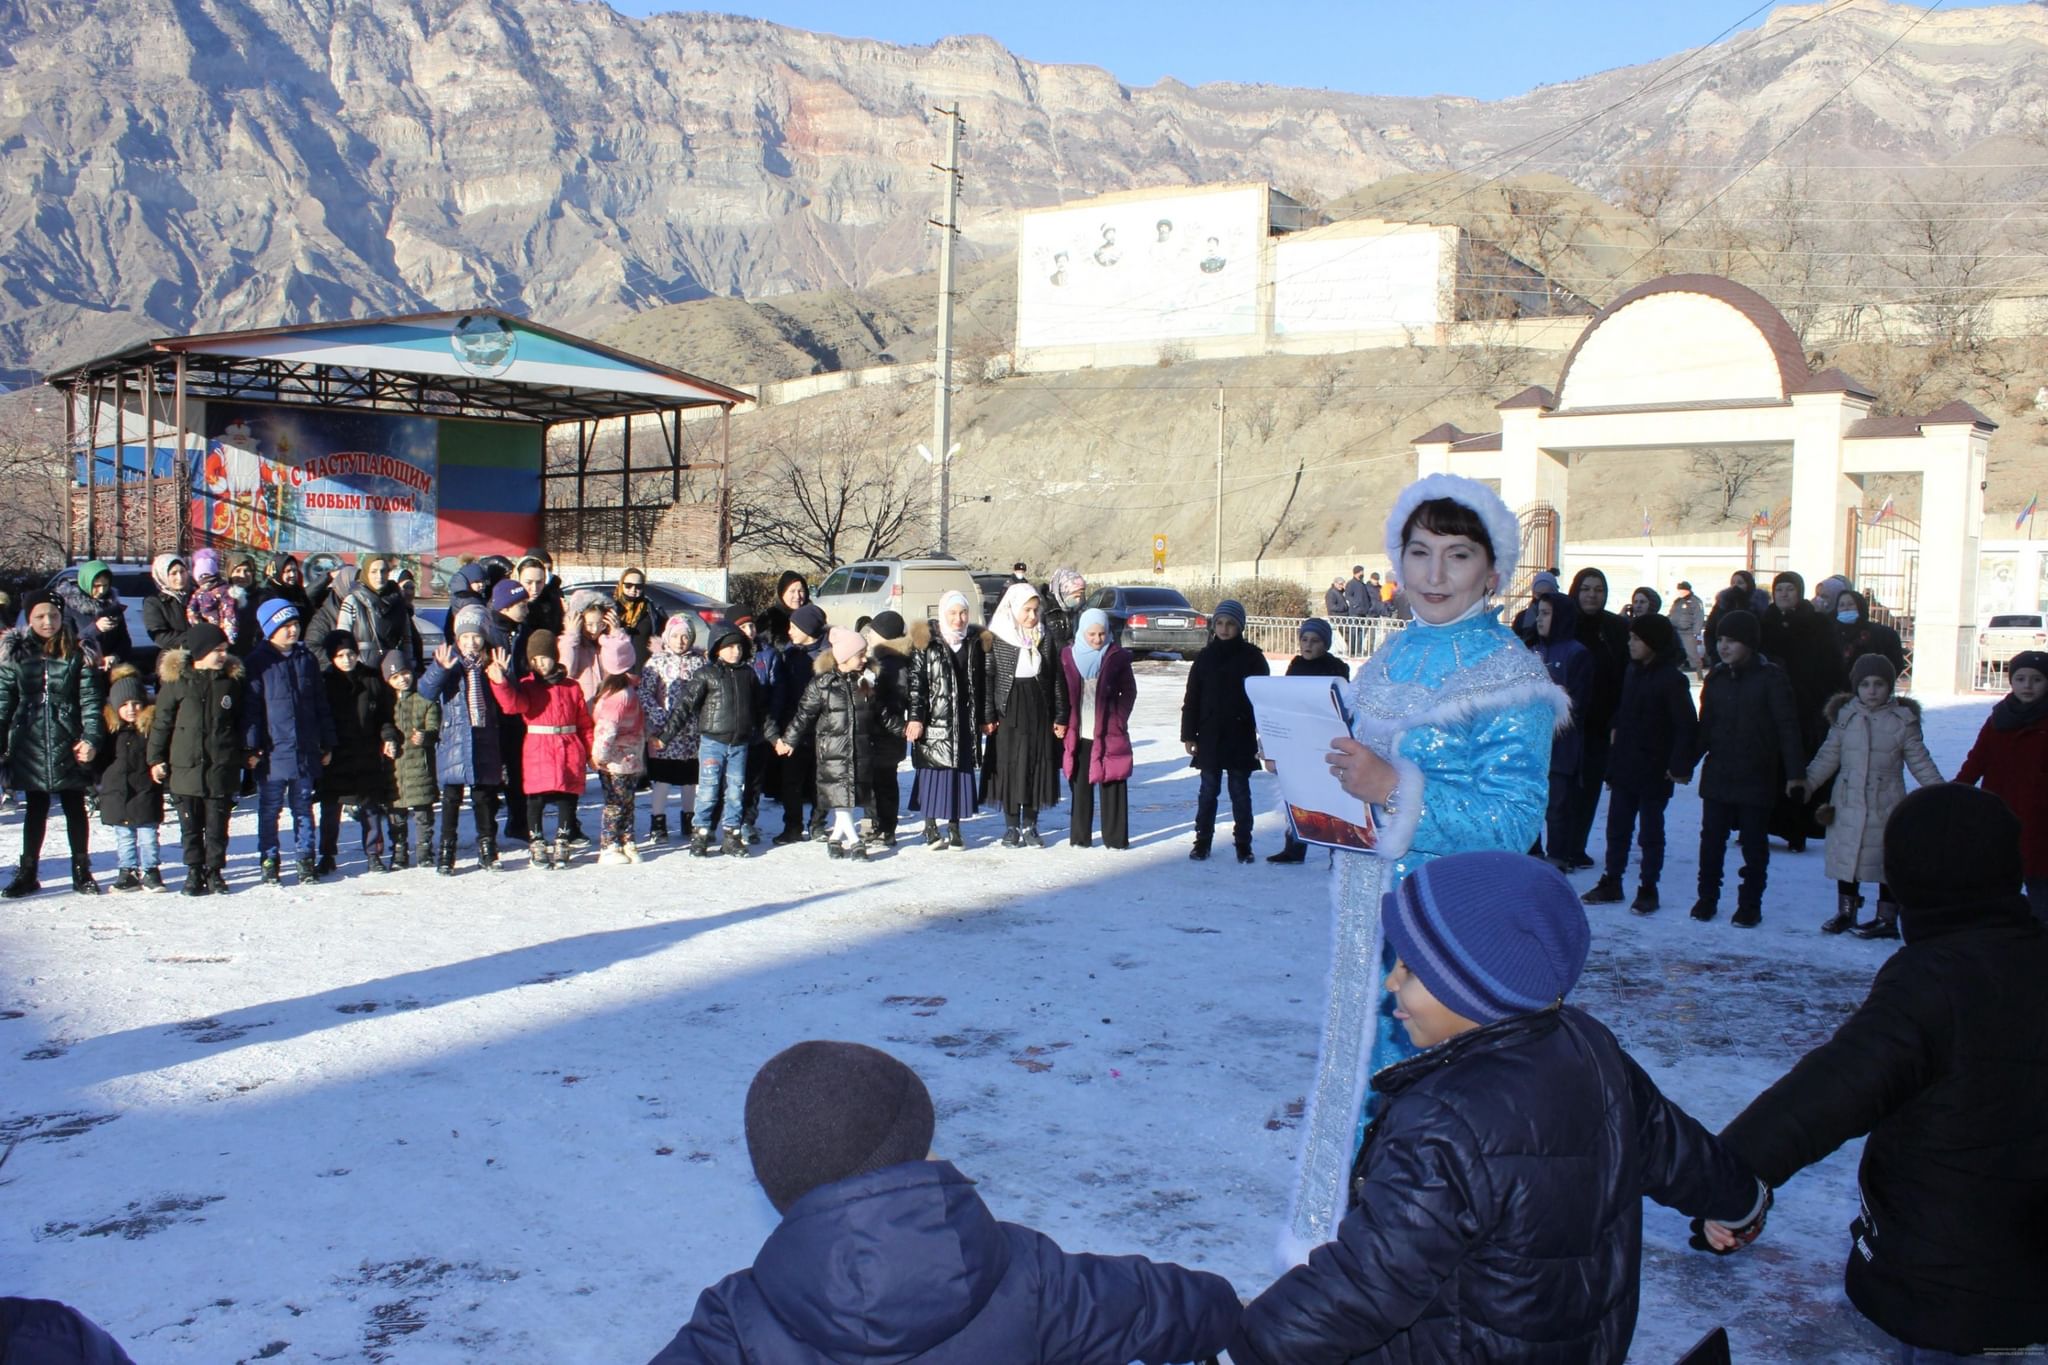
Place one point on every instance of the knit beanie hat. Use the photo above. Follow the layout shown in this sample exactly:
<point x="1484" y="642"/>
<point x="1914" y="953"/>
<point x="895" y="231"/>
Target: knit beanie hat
<point x="471" y="619"/>
<point x="889" y="626"/>
<point x="206" y="564"/>
<point x="615" y="653"/>
<point x="1655" y="631"/>
<point x="540" y="645"/>
<point x="126" y="689"/>
<point x="846" y="644"/>
<point x="822" y="1111"/>
<point x="1545" y="581"/>
<point x="1797" y="580"/>
<point x="203" y="638"/>
<point x="679" y="633"/>
<point x="337" y="641"/>
<point x="1316" y="625"/>
<point x="2027" y="658"/>
<point x="1872" y="666"/>
<point x="1491" y="934"/>
<point x="507" y="595"/>
<point x="1741" y="627"/>
<point x="810" y="619"/>
<point x="1950" y="845"/>
<point x="1230" y="607"/>
<point x="394" y="664"/>
<point x="274" y="615"/>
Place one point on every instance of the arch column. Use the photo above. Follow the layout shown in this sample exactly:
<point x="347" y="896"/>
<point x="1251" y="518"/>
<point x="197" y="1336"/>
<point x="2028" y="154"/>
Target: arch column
<point x="1821" y="493"/>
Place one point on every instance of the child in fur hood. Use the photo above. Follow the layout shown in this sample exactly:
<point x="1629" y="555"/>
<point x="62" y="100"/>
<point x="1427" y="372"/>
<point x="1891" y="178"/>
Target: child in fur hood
<point x="1873" y="736"/>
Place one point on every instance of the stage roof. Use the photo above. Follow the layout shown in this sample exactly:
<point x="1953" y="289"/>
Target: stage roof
<point x="478" y="363"/>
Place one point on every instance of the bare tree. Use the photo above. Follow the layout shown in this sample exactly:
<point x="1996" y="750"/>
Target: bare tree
<point x="829" y="492"/>
<point x="1724" y="478"/>
<point x="32" y="469"/>
<point x="1952" y="261"/>
<point x="1283" y="518"/>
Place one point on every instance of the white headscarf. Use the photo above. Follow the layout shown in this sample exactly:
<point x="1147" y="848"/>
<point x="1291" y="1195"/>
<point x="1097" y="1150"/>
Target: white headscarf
<point x="1007" y="627"/>
<point x="953" y="640"/>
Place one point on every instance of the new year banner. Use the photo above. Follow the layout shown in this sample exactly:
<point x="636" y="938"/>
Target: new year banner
<point x="273" y="478"/>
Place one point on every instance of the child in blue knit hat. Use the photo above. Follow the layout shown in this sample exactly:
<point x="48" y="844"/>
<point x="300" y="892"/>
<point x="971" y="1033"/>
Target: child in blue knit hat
<point x="1496" y="1203"/>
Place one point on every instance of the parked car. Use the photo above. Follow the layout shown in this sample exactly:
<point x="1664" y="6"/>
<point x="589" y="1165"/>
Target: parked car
<point x="993" y="586"/>
<point x="2007" y="633"/>
<point x="911" y="587"/>
<point x="1153" y="620"/>
<point x="668" y="599"/>
<point x="134" y="586"/>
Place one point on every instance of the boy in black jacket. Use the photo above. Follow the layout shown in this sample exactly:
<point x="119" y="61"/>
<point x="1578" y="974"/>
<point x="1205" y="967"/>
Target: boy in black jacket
<point x="1314" y="661"/>
<point x="1656" y="739"/>
<point x="1749" y="735"/>
<point x="1497" y="1202"/>
<point x="724" y="696"/>
<point x="1945" y="1067"/>
<point x="1218" y="729"/>
<point x="196" y="750"/>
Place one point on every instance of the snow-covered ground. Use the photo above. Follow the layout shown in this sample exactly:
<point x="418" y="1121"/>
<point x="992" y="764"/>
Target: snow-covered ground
<point x="421" y="1119"/>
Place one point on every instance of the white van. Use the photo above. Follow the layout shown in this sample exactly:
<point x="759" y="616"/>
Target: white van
<point x="910" y="587"/>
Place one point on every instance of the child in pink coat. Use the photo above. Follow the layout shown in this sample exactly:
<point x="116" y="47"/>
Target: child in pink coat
<point x="619" y="753"/>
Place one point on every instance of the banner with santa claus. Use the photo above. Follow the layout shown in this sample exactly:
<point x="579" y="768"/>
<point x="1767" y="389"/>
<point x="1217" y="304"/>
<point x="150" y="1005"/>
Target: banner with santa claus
<point x="277" y="478"/>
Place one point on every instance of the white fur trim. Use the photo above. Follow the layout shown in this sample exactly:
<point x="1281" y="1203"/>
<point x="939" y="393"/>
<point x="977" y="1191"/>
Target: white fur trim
<point x="1397" y="835"/>
<point x="1498" y="518"/>
<point x="1457" y="710"/>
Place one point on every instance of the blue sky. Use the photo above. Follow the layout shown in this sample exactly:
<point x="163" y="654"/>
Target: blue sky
<point x="1484" y="48"/>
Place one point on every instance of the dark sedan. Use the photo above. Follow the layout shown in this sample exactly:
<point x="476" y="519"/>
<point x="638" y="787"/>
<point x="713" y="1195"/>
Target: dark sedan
<point x="1153" y="620"/>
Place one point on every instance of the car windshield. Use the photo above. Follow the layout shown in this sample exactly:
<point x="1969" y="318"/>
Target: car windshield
<point x="2015" y="623"/>
<point x="1155" y="597"/>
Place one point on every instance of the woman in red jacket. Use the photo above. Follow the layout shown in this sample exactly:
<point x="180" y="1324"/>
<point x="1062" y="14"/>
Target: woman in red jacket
<point x="2010" y="760"/>
<point x="1098" y="742"/>
<point x="556" y="750"/>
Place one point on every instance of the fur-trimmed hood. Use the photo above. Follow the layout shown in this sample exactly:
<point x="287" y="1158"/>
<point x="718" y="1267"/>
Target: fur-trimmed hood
<point x="1502" y="527"/>
<point x="173" y="664"/>
<point x="1833" y="709"/>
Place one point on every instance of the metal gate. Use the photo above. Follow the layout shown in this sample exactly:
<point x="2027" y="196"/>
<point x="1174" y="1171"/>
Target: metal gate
<point x="1884" y="564"/>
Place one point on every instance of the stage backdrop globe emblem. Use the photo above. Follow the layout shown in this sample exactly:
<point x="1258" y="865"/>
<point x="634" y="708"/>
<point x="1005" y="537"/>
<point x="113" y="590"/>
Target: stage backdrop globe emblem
<point x="483" y="345"/>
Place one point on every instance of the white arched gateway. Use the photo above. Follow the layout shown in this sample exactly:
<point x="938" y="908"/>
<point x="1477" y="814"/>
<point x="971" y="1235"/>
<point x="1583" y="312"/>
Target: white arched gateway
<point x="1698" y="360"/>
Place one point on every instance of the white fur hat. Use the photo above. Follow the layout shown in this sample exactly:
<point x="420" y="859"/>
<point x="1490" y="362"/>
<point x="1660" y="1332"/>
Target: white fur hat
<point x="1502" y="527"/>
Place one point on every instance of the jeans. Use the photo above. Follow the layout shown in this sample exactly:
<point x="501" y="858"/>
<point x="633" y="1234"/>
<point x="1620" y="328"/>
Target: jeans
<point x="722" y="776"/>
<point x="1240" y="806"/>
<point x="136" y="847"/>
<point x="1623" y="810"/>
<point x="271" y="798"/>
<point x="1752" y="825"/>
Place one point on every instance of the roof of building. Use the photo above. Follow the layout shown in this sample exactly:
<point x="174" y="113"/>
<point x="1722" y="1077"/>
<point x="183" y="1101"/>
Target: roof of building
<point x="1769" y="322"/>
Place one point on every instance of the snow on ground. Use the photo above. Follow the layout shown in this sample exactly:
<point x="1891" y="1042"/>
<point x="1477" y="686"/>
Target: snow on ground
<point x="418" y="1119"/>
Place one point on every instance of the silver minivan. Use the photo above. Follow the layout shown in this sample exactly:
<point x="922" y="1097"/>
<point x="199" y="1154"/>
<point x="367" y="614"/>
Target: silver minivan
<point x="910" y="587"/>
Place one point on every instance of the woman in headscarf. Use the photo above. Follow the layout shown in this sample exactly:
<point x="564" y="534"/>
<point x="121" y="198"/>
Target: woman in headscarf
<point x="1645" y="601"/>
<point x="637" y="616"/>
<point x="1451" y="728"/>
<point x="948" y="695"/>
<point x="1802" y="642"/>
<point x="1605" y="637"/>
<point x="1858" y="635"/>
<point x="1103" y="689"/>
<point x="288" y="584"/>
<point x="1066" y="589"/>
<point x="1028" y="703"/>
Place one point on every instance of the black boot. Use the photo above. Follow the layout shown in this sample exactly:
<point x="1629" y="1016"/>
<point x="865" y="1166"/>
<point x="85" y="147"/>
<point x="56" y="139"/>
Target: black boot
<point x="932" y="837"/>
<point x="954" y="839"/>
<point x="1747" y="916"/>
<point x="1606" y="891"/>
<point x="1847" y="903"/>
<point x="195" y="882"/>
<point x="1200" y="852"/>
<point x="25" y="883"/>
<point x="1645" y="902"/>
<point x="423" y="836"/>
<point x="1704" y="908"/>
<point x="700" y="843"/>
<point x="81" y="877"/>
<point x="1295" y="852"/>
<point x="735" y="844"/>
<point x="401" y="845"/>
<point x="1013" y="833"/>
<point x="657" y="830"/>
<point x="446" y="865"/>
<point x="270" y="876"/>
<point x="1032" y="838"/>
<point x="487" y="852"/>
<point x="1883" y="924"/>
<point x="217" y="881"/>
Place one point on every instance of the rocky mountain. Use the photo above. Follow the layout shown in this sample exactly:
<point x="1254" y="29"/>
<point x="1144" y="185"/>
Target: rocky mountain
<point x="176" y="164"/>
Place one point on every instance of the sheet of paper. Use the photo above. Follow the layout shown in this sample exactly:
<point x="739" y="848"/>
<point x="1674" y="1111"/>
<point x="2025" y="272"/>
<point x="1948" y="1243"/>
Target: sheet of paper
<point x="1298" y="718"/>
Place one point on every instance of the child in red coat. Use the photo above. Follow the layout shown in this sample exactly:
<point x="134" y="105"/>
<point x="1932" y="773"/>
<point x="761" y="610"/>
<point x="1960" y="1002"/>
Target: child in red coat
<point x="619" y="753"/>
<point x="556" y="750"/>
<point x="2010" y="760"/>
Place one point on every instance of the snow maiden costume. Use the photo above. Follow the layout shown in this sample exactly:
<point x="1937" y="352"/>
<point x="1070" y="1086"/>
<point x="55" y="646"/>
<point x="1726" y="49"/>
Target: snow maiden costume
<point x="1464" y="714"/>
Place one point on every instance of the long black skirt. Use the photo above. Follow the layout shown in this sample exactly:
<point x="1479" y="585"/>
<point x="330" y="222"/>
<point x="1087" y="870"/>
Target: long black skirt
<point x="1028" y="756"/>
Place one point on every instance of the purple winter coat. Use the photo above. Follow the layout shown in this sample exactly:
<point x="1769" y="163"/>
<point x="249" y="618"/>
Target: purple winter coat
<point x="1116" y="691"/>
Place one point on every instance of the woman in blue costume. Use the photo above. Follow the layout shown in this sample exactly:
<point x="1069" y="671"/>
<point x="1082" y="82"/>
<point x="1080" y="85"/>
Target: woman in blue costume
<point x="1451" y="725"/>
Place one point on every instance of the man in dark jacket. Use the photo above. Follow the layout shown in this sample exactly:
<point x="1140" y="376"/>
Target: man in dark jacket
<point x="1945" y="1067"/>
<point x="1359" y="599"/>
<point x="1802" y="642"/>
<point x="1749" y="737"/>
<point x="1218" y="728"/>
<point x="45" y="1332"/>
<point x="1655" y="744"/>
<point x="1334" y="601"/>
<point x="884" y="1254"/>
<point x="1497" y="1202"/>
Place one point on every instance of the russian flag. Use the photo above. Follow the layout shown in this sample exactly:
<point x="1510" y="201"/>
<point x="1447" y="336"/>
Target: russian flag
<point x="2028" y="514"/>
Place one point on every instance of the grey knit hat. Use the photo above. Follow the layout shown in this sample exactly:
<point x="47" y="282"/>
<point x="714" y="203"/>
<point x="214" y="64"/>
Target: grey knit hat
<point x="822" y="1111"/>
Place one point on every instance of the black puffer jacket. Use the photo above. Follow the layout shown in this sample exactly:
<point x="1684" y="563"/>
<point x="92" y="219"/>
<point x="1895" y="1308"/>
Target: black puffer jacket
<point x="1945" y="1066"/>
<point x="128" y="795"/>
<point x="163" y="616"/>
<point x="1216" y="715"/>
<point x="726" y="699"/>
<point x="889" y="660"/>
<point x="843" y="717"/>
<point x="948" y="696"/>
<point x="1656" y="732"/>
<point x="1749" y="734"/>
<point x="361" y="706"/>
<point x="47" y="705"/>
<point x="1500" y="1215"/>
<point x="198" y="726"/>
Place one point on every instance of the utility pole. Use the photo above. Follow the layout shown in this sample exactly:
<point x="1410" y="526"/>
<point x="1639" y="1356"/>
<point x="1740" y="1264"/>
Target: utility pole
<point x="942" y="400"/>
<point x="1218" y="569"/>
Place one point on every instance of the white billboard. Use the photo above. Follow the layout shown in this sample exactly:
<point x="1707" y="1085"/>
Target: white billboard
<point x="1154" y="268"/>
<point x="1363" y="282"/>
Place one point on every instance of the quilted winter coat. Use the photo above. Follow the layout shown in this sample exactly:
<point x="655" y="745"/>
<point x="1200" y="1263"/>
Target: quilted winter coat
<point x="287" y="719"/>
<point x="467" y="754"/>
<point x="414" y="714"/>
<point x="618" y="742"/>
<point x="842" y="717"/>
<point x="1116" y="692"/>
<point x="549" y="763"/>
<point x="128" y="794"/>
<point x="1216" y="715"/>
<point x="46" y="706"/>
<point x="1870" y="748"/>
<point x="907" y="1264"/>
<point x="949" y="696"/>
<point x="361" y="706"/>
<point x="199" y="726"/>
<point x="661" y="690"/>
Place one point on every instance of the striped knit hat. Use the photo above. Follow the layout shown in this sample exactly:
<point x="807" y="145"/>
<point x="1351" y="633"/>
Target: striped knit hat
<point x="1491" y="934"/>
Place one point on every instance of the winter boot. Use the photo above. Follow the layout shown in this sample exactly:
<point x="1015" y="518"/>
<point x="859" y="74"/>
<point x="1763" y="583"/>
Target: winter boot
<point x="127" y="879"/>
<point x="217" y="882"/>
<point x="309" y="872"/>
<point x="1606" y="891"/>
<point x="1847" y="903"/>
<point x="272" y="871"/>
<point x="1294" y="852"/>
<point x="195" y="882"/>
<point x="631" y="851"/>
<point x="1705" y="909"/>
<point x="153" y="879"/>
<point x="487" y="853"/>
<point x="327" y="864"/>
<point x="1747" y="916"/>
<point x="1032" y="838"/>
<point x="688" y="827"/>
<point x="1883" y="924"/>
<point x="1200" y="852"/>
<point x="1244" y="853"/>
<point x="445" y="866"/>
<point x="1013" y="833"/>
<point x="81" y="877"/>
<point x="423" y="835"/>
<point x="611" y="855"/>
<point x="401" y="845"/>
<point x="538" y="854"/>
<point x="834" y="849"/>
<point x="954" y="839"/>
<point x="932" y="837"/>
<point x="657" y="831"/>
<point x="563" y="853"/>
<point x="1645" y="902"/>
<point x="25" y="883"/>
<point x="750" y="834"/>
<point x="735" y="845"/>
<point x="700" y="843"/>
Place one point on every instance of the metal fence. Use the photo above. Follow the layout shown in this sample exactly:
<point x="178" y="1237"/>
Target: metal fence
<point x="1355" y="637"/>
